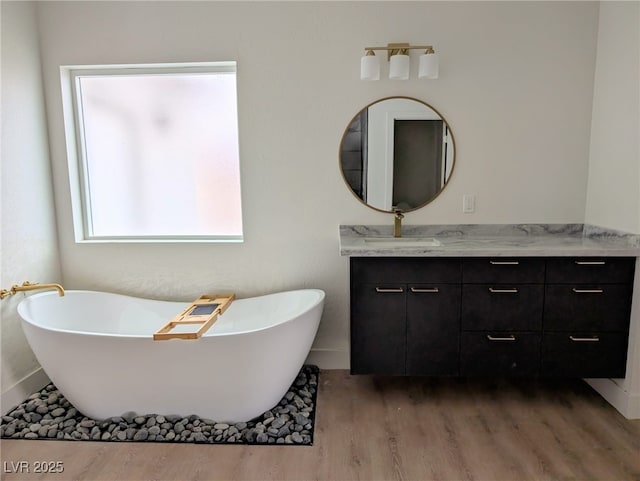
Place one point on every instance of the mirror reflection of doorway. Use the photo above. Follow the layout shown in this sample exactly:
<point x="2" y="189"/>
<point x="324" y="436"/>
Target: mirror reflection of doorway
<point x="418" y="162"/>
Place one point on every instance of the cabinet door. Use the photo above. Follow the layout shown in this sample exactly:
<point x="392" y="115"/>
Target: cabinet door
<point x="493" y="354"/>
<point x="608" y="270"/>
<point x="502" y="271"/>
<point x="433" y="329"/>
<point x="502" y="307"/>
<point x="584" y="354"/>
<point x="582" y="307"/>
<point x="369" y="270"/>
<point x="378" y="329"/>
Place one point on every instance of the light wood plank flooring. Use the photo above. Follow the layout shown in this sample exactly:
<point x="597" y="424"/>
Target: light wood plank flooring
<point x="389" y="429"/>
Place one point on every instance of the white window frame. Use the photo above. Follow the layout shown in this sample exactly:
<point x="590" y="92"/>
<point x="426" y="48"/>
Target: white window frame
<point x="76" y="158"/>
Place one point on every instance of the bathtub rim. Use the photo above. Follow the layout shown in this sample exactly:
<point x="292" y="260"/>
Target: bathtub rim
<point x="26" y="319"/>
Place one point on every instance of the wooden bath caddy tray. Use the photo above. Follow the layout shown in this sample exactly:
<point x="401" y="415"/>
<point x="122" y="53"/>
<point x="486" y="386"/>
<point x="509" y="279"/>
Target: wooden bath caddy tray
<point x="204" y="311"/>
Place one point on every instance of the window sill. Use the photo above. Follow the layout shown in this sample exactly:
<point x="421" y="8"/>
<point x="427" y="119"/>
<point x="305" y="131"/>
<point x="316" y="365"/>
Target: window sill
<point x="163" y="240"/>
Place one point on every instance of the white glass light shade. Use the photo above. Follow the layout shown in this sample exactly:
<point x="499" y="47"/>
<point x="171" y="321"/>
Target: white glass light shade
<point x="428" y="66"/>
<point x="399" y="67"/>
<point x="370" y="68"/>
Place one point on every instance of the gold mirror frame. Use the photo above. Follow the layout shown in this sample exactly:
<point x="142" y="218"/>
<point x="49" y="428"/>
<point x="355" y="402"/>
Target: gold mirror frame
<point x="354" y="118"/>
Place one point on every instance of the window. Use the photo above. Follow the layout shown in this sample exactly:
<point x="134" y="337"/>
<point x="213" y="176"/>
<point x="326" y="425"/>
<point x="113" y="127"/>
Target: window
<point x="154" y="152"/>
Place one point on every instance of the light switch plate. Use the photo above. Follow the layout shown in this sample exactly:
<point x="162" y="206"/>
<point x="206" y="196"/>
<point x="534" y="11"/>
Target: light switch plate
<point x="468" y="203"/>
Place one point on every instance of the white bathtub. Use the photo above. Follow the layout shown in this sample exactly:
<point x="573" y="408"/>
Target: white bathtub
<point x="97" y="348"/>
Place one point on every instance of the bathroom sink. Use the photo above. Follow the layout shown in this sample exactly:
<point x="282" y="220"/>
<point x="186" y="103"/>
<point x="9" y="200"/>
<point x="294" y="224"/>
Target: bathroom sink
<point x="402" y="241"/>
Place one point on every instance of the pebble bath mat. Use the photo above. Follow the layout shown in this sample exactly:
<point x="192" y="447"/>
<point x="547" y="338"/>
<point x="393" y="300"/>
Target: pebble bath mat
<point x="47" y="415"/>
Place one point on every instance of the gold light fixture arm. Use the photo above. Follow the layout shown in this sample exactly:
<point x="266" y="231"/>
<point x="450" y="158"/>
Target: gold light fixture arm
<point x="29" y="286"/>
<point x="400" y="49"/>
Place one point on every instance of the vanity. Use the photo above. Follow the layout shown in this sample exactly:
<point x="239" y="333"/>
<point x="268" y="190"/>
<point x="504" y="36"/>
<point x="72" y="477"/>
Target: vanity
<point x="505" y="301"/>
<point x="525" y="300"/>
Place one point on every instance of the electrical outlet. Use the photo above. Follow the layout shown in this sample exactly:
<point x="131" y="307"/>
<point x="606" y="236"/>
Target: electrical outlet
<point x="468" y="203"/>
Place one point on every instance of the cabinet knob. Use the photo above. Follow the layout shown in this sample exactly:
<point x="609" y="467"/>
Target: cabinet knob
<point x="504" y="263"/>
<point x="587" y="291"/>
<point x="590" y="263"/>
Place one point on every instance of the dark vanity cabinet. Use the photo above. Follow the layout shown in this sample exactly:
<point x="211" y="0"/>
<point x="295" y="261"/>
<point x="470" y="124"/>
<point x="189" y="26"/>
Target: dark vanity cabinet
<point x="405" y="316"/>
<point x="502" y="305"/>
<point x="586" y="317"/>
<point x="490" y="316"/>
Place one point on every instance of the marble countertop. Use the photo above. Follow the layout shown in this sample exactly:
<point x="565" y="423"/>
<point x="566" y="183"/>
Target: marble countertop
<point x="490" y="240"/>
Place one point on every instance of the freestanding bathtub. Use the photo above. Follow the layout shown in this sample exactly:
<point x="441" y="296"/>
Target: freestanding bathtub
<point x="98" y="349"/>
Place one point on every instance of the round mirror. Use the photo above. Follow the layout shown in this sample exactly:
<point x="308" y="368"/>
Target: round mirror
<point x="397" y="153"/>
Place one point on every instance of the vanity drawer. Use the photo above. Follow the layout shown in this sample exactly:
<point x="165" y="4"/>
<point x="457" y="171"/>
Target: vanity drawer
<point x="607" y="270"/>
<point x="503" y="270"/>
<point x="605" y="307"/>
<point x="405" y="270"/>
<point x="499" y="353"/>
<point x="502" y="307"/>
<point x="584" y="354"/>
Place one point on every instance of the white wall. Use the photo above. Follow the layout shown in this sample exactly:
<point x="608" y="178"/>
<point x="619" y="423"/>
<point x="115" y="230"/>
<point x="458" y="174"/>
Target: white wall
<point x="515" y="86"/>
<point x="29" y="245"/>
<point x="613" y="195"/>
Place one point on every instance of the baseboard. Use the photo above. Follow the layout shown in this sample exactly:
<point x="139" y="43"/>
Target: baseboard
<point x="24" y="388"/>
<point x="328" y="358"/>
<point x="626" y="403"/>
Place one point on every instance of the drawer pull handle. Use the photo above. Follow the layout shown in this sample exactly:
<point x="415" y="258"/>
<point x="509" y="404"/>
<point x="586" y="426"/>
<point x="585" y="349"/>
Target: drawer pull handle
<point x="585" y="339"/>
<point x="504" y="263"/>
<point x="587" y="291"/>
<point x="429" y="290"/>
<point x="387" y="290"/>
<point x="590" y="263"/>
<point x="493" y="290"/>
<point x="492" y="338"/>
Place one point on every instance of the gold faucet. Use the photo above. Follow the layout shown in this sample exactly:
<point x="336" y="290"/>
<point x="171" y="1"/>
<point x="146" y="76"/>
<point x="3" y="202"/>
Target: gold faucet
<point x="397" y="223"/>
<point x="28" y="286"/>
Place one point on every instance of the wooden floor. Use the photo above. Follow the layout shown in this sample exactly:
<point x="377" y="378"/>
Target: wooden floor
<point x="388" y="429"/>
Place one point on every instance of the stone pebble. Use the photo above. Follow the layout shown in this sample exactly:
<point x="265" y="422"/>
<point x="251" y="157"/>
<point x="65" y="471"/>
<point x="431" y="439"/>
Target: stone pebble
<point x="48" y="415"/>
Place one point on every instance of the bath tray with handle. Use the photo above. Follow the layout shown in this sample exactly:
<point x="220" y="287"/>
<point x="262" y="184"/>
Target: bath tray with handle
<point x="202" y="312"/>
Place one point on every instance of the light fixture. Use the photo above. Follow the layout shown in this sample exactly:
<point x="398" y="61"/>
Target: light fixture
<point x="370" y="67"/>
<point x="399" y="62"/>
<point x="428" y="68"/>
<point x="399" y="65"/>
